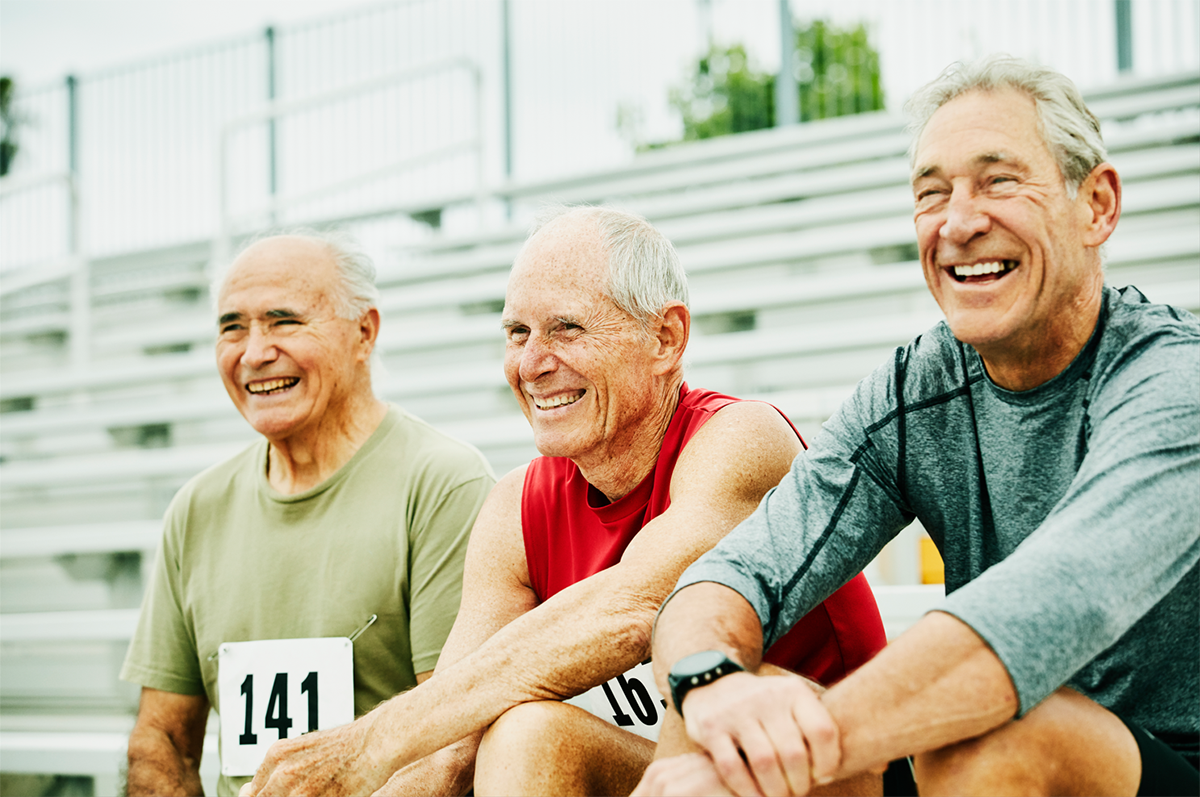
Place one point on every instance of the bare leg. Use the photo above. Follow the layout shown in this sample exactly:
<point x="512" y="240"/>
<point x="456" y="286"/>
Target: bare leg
<point x="1067" y="745"/>
<point x="550" y="747"/>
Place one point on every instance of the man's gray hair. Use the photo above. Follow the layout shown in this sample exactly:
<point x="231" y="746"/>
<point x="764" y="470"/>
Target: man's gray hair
<point x="356" y="293"/>
<point x="1070" y="131"/>
<point x="644" y="272"/>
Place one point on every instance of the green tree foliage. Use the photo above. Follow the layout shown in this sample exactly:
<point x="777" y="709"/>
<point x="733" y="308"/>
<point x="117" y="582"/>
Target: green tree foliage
<point x="8" y="121"/>
<point x="837" y="73"/>
<point x="726" y="95"/>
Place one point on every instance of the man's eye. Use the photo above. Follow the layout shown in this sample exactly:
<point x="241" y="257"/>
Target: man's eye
<point x="518" y="334"/>
<point x="230" y="328"/>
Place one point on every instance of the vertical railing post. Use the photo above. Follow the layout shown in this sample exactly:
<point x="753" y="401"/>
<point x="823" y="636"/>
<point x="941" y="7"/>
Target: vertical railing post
<point x="80" y="282"/>
<point x="506" y="99"/>
<point x="73" y="226"/>
<point x="1124" y="36"/>
<point x="222" y="243"/>
<point x="480" y="197"/>
<point x="787" y="101"/>
<point x="273" y="175"/>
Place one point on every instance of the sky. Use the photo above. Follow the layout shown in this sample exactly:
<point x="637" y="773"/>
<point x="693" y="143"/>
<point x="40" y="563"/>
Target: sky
<point x="43" y="40"/>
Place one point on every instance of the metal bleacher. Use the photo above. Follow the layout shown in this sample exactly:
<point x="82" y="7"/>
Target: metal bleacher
<point x="800" y="249"/>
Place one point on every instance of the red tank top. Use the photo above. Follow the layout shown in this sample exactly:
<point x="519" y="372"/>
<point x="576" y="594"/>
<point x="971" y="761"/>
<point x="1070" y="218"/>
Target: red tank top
<point x="572" y="532"/>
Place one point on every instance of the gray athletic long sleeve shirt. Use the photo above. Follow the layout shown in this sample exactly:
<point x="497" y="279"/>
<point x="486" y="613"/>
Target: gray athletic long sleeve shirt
<point x="1068" y="515"/>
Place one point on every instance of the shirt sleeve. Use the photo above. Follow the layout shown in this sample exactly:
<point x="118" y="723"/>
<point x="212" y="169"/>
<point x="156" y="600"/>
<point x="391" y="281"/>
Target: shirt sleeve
<point x="1124" y="534"/>
<point x="833" y="511"/>
<point x="162" y="654"/>
<point x="437" y="550"/>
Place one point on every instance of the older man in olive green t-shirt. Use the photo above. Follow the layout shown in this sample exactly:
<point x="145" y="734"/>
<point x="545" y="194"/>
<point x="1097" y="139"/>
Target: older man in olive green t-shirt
<point x="349" y="520"/>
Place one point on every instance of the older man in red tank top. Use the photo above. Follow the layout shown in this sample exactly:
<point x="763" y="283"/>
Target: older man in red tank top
<point x="542" y="687"/>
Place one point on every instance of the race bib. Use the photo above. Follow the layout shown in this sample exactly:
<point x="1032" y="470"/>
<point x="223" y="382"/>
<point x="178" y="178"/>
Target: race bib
<point x="276" y="689"/>
<point x="630" y="701"/>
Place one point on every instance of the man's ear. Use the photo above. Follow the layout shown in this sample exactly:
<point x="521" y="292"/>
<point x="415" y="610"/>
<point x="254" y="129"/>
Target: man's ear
<point x="671" y="334"/>
<point x="368" y="332"/>
<point x="1099" y="202"/>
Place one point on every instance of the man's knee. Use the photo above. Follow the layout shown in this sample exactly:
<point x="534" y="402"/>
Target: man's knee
<point x="527" y="726"/>
<point x="1067" y="745"/>
<point x="548" y="747"/>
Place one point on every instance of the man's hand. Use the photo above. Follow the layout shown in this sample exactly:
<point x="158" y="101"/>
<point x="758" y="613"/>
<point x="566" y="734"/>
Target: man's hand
<point x="335" y="762"/>
<point x="765" y="734"/>
<point x="692" y="774"/>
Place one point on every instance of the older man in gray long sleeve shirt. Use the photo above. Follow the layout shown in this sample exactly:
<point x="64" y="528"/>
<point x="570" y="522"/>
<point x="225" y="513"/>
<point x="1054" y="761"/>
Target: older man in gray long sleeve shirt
<point x="1047" y="434"/>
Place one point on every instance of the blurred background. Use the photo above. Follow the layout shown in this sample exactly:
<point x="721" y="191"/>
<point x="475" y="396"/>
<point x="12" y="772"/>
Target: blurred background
<point x="143" y="141"/>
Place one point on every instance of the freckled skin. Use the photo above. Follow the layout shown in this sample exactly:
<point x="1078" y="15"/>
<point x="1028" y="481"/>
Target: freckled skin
<point x="565" y="335"/>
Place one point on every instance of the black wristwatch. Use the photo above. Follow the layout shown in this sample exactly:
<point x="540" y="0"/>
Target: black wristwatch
<point x="698" y="669"/>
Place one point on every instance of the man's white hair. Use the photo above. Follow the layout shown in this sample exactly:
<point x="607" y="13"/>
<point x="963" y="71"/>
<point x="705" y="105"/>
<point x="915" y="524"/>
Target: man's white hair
<point x="1070" y="131"/>
<point x="356" y="290"/>
<point x="644" y="272"/>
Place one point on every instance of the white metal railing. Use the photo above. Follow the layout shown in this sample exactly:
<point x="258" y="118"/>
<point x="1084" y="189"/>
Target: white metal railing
<point x="73" y="267"/>
<point x="222" y="244"/>
<point x="11" y="186"/>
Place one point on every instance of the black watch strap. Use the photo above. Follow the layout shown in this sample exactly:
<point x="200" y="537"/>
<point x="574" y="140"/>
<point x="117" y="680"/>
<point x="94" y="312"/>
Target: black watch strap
<point x="698" y="669"/>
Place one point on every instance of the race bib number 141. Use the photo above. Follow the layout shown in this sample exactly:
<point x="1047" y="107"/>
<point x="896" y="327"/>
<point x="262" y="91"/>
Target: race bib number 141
<point x="277" y="689"/>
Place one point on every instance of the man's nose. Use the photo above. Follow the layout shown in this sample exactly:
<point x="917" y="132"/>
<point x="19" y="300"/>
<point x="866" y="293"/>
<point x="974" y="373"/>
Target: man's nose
<point x="536" y="359"/>
<point x="964" y="218"/>
<point x="260" y="348"/>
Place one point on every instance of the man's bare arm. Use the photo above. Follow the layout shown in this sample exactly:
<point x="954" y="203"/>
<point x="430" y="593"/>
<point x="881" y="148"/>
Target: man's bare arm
<point x="936" y="684"/>
<point x="166" y="744"/>
<point x="495" y="591"/>
<point x="584" y="635"/>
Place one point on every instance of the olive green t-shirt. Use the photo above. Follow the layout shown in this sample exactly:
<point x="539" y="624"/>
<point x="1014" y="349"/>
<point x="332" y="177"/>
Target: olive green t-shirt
<point x="385" y="535"/>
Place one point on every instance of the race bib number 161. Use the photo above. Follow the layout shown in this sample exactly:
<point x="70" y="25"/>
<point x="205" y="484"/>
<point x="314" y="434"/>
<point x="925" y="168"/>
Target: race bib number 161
<point x="277" y="689"/>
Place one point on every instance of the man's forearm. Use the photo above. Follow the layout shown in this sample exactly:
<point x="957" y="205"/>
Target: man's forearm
<point x="936" y="684"/>
<point x="449" y="771"/>
<point x="539" y="656"/>
<point x="156" y="767"/>
<point x="705" y="616"/>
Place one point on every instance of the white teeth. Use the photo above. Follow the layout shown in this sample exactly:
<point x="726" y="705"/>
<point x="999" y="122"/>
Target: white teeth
<point x="985" y="268"/>
<point x="557" y="401"/>
<point x="272" y="385"/>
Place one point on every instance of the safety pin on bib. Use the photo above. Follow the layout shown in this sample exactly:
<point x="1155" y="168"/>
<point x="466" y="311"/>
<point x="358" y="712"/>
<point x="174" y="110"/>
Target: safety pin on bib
<point x="370" y="621"/>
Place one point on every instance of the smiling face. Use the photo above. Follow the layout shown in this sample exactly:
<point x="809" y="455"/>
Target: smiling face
<point x="584" y="372"/>
<point x="1002" y="244"/>
<point x="289" y="363"/>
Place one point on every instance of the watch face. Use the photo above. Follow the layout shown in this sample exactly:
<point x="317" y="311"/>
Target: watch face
<point x="697" y="663"/>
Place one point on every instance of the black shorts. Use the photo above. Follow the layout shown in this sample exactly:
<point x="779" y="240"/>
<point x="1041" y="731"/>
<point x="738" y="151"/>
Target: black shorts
<point x="1166" y="772"/>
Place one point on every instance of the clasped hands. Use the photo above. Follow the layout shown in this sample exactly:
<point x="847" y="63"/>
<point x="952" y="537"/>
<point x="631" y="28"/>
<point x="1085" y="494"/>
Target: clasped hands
<point x="760" y="735"/>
